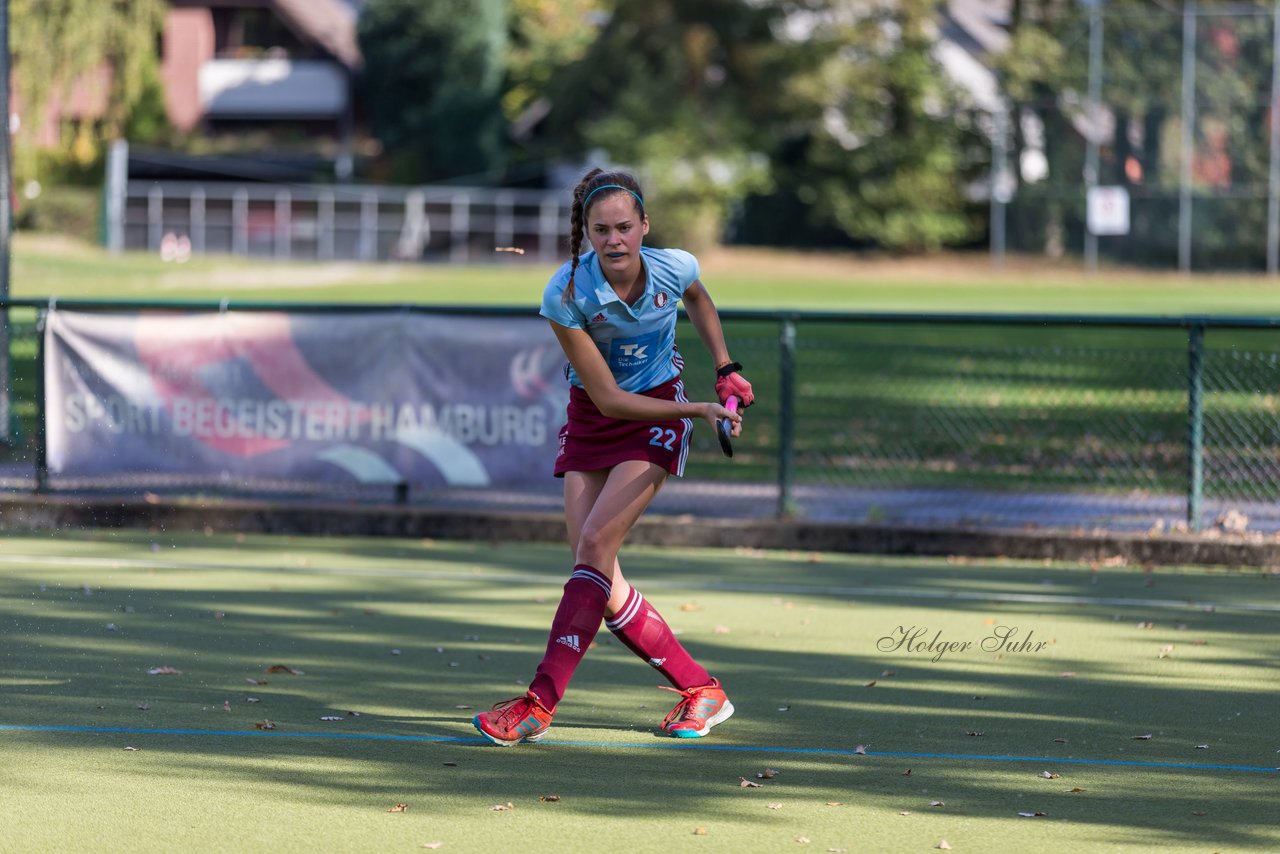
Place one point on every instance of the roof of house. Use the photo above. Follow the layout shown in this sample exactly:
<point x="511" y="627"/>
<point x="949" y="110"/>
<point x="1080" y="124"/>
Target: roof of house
<point x="329" y="23"/>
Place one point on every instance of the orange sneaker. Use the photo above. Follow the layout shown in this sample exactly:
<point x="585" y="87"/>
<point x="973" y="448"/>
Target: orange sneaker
<point x="700" y="710"/>
<point x="512" y="721"/>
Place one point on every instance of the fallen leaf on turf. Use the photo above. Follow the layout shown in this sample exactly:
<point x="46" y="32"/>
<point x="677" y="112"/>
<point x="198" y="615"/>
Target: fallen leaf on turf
<point x="502" y="807"/>
<point x="943" y="844"/>
<point x="835" y="803"/>
<point x="1202" y="747"/>
<point x="803" y="840"/>
<point x="1067" y="674"/>
<point x="837" y="850"/>
<point x="775" y="806"/>
<point x="144" y="706"/>
<point x="784" y="708"/>
<point x="690" y="606"/>
<point x="720" y="630"/>
<point x="1198" y="812"/>
<point x="1032" y="814"/>
<point x="1166" y="650"/>
<point x="164" y="671"/>
<point x="432" y="845"/>
<point x="937" y="803"/>
<point x="226" y="705"/>
<point x="252" y="700"/>
<point x="1049" y="775"/>
<point x="399" y="808"/>
<point x="1146" y="737"/>
<point x="749" y="784"/>
<point x="905" y="812"/>
<point x="1075" y="790"/>
<point x="766" y="774"/>
<point x="1060" y="741"/>
<point x="549" y="799"/>
<point x="462" y="706"/>
<point x="973" y="733"/>
<point x="332" y="718"/>
<point x="1146" y="625"/>
<point x="133" y="748"/>
<point x="265" y="725"/>
<point x="887" y="673"/>
<point x="699" y="831"/>
<point x="906" y="773"/>
<point x="870" y="684"/>
<point x="253" y="681"/>
<point x="861" y="749"/>
<point x="284" y="668"/>
<point x="450" y="764"/>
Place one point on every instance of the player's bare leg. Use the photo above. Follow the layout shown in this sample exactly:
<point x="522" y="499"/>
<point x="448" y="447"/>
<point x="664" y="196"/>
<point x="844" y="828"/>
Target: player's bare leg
<point x="600" y="508"/>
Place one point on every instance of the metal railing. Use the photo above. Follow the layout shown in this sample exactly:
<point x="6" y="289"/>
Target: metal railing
<point x="975" y="420"/>
<point x="338" y="222"/>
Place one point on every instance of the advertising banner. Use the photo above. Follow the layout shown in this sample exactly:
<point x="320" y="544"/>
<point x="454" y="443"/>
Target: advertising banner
<point x="242" y="397"/>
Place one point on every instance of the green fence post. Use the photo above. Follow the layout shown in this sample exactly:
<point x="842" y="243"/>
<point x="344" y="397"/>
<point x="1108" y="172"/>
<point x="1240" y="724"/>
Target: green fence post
<point x="42" y="444"/>
<point x="1195" y="424"/>
<point x="786" y="412"/>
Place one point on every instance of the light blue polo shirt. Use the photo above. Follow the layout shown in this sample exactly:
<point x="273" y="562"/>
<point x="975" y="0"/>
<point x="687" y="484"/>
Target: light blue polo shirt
<point x="638" y="341"/>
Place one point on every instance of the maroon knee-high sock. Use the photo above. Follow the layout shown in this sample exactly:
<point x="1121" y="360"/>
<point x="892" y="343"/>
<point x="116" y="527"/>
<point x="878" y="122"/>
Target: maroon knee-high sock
<point x="641" y="628"/>
<point x="574" y="626"/>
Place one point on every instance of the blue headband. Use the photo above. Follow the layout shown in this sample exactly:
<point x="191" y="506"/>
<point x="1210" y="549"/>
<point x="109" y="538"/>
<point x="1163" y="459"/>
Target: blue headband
<point x="612" y="187"/>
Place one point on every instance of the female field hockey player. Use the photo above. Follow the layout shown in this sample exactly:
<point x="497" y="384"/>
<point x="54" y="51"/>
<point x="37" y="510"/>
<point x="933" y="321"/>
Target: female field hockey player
<point x="629" y="423"/>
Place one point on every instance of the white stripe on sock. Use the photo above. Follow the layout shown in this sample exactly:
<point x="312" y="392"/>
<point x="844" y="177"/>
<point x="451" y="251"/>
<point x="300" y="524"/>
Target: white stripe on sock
<point x="628" y="612"/>
<point x="595" y="578"/>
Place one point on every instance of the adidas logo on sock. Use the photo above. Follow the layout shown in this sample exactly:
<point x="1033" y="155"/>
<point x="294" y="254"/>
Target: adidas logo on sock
<point x="570" y="641"/>
<point x="657" y="662"/>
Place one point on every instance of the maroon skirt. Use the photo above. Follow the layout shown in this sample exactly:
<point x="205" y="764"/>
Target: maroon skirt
<point x="592" y="441"/>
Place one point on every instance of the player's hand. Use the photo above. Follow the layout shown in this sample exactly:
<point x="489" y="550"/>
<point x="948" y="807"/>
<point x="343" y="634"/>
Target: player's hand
<point x="715" y="412"/>
<point x="735" y="385"/>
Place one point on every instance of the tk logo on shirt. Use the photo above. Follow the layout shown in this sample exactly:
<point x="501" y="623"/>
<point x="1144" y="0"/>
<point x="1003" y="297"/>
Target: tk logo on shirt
<point x="633" y="354"/>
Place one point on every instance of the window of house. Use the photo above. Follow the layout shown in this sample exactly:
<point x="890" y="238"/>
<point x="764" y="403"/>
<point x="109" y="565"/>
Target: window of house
<point x="255" y="33"/>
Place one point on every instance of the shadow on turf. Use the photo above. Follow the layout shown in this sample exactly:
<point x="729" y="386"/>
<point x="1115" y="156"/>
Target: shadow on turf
<point x="65" y="667"/>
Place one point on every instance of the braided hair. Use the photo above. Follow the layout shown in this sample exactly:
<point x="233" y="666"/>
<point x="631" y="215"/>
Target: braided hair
<point x="608" y="184"/>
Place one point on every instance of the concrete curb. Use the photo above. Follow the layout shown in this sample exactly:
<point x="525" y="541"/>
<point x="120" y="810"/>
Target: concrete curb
<point x="60" y="512"/>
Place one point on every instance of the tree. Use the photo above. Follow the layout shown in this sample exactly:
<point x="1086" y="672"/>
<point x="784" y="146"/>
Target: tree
<point x="57" y="43"/>
<point x="882" y="148"/>
<point x="432" y="79"/>
<point x="675" y="90"/>
<point x="544" y="36"/>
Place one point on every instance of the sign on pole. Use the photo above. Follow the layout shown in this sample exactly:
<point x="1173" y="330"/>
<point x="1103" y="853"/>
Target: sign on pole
<point x="1107" y="210"/>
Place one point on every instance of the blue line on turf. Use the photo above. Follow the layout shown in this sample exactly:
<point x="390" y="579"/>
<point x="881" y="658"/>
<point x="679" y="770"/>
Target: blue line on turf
<point x="673" y="743"/>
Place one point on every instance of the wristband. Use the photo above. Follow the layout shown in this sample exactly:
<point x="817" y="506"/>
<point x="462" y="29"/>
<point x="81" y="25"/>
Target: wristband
<point x="731" y="368"/>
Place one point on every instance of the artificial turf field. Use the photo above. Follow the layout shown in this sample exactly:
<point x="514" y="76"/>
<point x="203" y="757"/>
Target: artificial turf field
<point x="1145" y="721"/>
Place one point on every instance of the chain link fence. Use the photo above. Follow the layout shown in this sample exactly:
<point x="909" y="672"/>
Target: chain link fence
<point x="1048" y="422"/>
<point x="1167" y="107"/>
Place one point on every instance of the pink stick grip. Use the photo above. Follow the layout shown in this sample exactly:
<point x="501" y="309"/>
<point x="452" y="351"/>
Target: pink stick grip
<point x="731" y="404"/>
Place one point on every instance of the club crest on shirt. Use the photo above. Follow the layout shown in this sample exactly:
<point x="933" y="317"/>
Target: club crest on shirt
<point x="659" y="299"/>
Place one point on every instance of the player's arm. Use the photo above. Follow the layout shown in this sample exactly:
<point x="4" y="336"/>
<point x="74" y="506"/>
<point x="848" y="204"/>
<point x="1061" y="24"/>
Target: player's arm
<point x="611" y="400"/>
<point x="702" y="313"/>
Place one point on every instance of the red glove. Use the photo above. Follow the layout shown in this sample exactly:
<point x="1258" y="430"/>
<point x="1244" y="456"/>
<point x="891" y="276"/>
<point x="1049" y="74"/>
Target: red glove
<point x="730" y="383"/>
